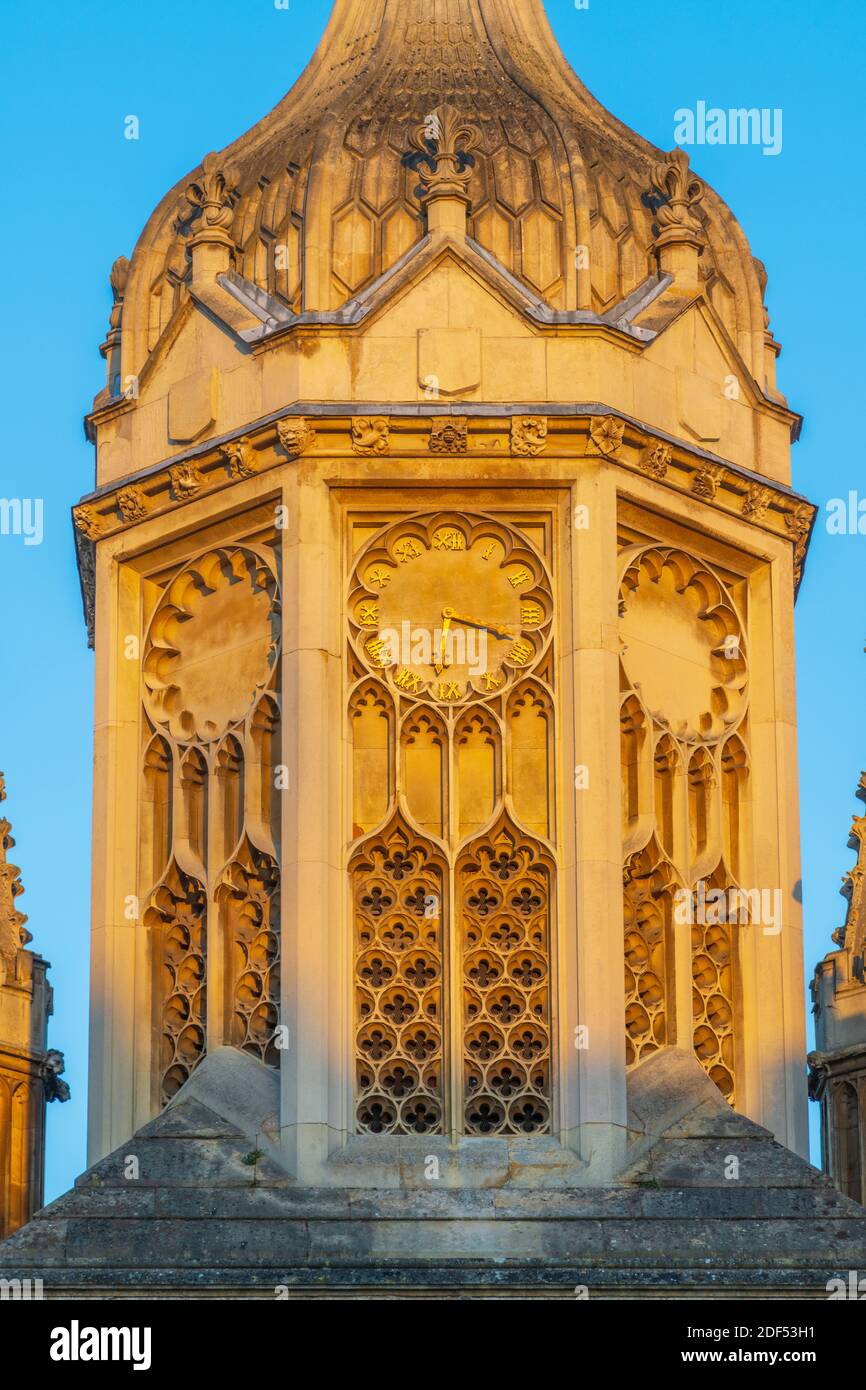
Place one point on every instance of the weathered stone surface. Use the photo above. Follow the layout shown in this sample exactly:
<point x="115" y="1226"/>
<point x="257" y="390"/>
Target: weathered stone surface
<point x="202" y="1223"/>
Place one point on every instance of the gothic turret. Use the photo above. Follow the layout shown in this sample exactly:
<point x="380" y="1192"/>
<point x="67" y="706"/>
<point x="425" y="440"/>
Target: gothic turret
<point x="29" y="1070"/>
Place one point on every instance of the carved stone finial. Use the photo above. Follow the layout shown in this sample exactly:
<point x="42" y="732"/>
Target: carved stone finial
<point x="211" y="193"/>
<point x="443" y="158"/>
<point x="761" y="272"/>
<point x="681" y="238"/>
<point x="110" y="349"/>
<point x="118" y="278"/>
<point x="12" y="933"/>
<point x="683" y="191"/>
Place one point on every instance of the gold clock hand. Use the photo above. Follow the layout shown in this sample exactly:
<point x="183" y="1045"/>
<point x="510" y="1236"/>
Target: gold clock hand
<point x="439" y="666"/>
<point x="451" y="616"/>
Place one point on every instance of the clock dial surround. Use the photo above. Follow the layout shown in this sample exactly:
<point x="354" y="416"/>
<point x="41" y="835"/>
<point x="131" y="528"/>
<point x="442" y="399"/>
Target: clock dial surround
<point x="450" y="607"/>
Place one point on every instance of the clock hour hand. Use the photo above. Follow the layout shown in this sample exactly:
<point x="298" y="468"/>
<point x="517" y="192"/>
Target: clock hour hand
<point x="450" y="616"/>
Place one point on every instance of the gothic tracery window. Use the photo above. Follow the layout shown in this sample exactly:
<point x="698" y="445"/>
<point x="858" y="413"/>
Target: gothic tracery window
<point x="451" y="713"/>
<point x="684" y="720"/>
<point x="209" y="829"/>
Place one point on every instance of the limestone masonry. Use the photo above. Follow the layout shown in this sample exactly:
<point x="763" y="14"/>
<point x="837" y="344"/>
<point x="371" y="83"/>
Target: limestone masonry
<point x="446" y="932"/>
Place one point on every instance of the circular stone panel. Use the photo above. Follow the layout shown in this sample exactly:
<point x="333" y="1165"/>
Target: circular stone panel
<point x="212" y="644"/>
<point x="681" y="644"/>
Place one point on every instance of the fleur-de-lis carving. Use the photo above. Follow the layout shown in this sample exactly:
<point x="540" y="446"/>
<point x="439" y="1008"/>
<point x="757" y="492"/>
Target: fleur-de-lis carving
<point x="212" y="192"/>
<point x="443" y="156"/>
<point x="683" y="191"/>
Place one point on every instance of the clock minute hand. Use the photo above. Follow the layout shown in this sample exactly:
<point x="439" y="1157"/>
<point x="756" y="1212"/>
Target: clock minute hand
<point x="439" y="666"/>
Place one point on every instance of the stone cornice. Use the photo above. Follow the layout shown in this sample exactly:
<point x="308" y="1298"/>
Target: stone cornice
<point x="521" y="434"/>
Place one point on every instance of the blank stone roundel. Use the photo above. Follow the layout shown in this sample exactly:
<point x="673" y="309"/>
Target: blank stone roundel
<point x="212" y="644"/>
<point x="682" y="645"/>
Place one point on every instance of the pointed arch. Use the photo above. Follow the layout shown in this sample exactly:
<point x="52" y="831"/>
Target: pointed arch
<point x="156" y="811"/>
<point x="263" y="755"/>
<point x="371" y="720"/>
<point x="530" y="756"/>
<point x="229" y="794"/>
<point x="702" y="783"/>
<point x="633" y="732"/>
<point x="667" y="767"/>
<point x="478" y="766"/>
<point x="192" y="831"/>
<point x="423" y="756"/>
<point x="735" y="772"/>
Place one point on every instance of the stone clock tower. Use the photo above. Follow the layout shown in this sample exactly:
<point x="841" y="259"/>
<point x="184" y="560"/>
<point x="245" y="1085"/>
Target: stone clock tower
<point x="441" y="570"/>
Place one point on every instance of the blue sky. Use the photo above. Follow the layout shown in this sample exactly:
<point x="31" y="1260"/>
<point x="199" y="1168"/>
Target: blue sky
<point x="197" y="75"/>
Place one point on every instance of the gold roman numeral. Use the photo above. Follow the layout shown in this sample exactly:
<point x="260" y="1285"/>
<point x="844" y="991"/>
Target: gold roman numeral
<point x="407" y="550"/>
<point x="407" y="680"/>
<point x="520" y="653"/>
<point x="449" y="691"/>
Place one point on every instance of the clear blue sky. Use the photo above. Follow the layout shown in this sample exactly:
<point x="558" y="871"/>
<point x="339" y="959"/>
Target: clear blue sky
<point x="198" y="74"/>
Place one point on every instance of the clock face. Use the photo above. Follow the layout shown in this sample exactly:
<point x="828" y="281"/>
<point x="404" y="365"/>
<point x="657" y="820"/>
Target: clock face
<point x="450" y="607"/>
